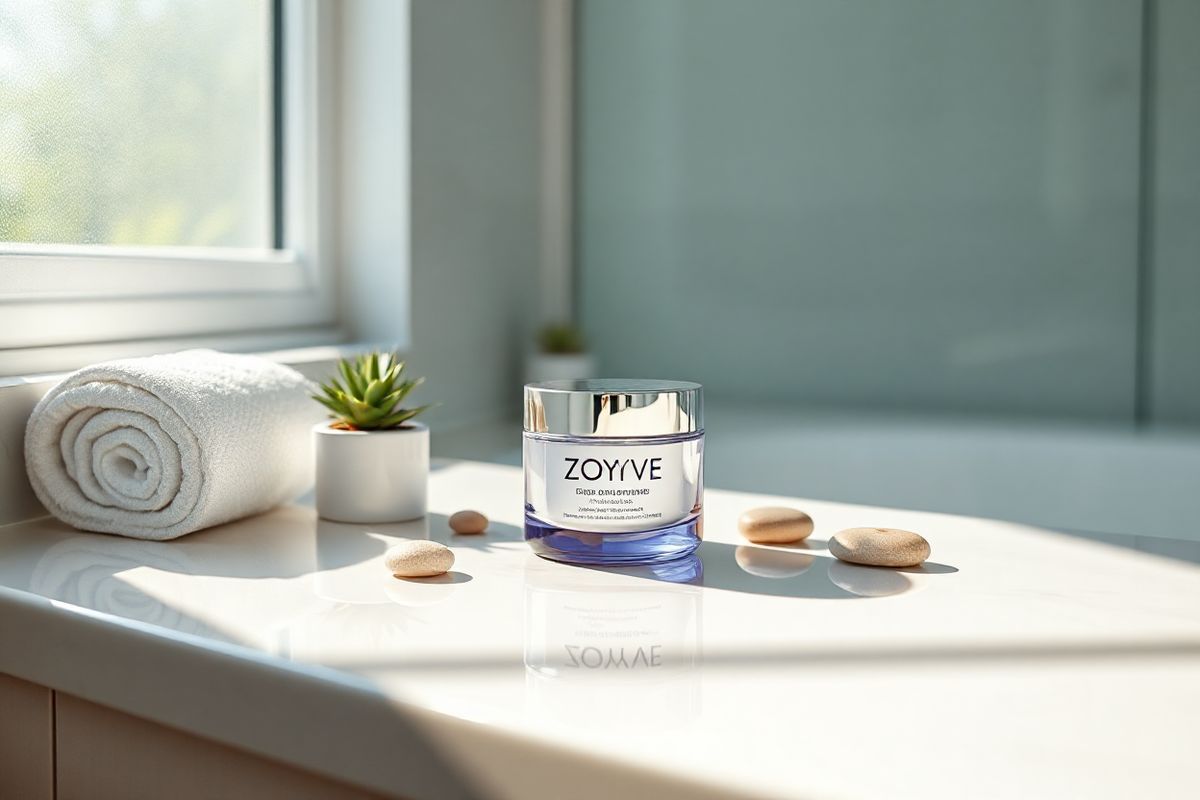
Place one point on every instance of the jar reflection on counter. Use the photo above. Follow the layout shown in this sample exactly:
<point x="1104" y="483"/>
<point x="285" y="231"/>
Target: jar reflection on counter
<point x="612" y="645"/>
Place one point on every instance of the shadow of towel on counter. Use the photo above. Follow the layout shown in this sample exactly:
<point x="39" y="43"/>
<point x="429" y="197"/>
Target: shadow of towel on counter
<point x="157" y="447"/>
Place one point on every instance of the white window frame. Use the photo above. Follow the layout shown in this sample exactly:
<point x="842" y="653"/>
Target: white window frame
<point x="58" y="302"/>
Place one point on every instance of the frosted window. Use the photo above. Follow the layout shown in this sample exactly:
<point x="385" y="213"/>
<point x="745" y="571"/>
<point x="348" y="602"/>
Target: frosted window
<point x="136" y="122"/>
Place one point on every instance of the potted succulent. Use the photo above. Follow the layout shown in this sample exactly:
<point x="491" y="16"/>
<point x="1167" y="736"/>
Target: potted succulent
<point x="561" y="355"/>
<point x="372" y="459"/>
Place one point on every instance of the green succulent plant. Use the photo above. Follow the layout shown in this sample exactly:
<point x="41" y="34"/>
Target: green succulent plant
<point x="561" y="339"/>
<point x="369" y="395"/>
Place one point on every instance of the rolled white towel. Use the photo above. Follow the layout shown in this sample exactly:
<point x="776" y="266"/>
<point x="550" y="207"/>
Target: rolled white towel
<point x="157" y="447"/>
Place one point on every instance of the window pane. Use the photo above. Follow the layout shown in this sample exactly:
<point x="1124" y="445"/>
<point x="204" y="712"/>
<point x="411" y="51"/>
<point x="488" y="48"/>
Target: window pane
<point x="135" y="122"/>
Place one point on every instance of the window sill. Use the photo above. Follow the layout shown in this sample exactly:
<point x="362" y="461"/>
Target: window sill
<point x="23" y="366"/>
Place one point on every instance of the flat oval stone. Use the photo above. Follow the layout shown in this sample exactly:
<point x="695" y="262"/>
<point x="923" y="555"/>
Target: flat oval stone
<point x="775" y="525"/>
<point x="418" y="558"/>
<point x="879" y="547"/>
<point x="468" y="522"/>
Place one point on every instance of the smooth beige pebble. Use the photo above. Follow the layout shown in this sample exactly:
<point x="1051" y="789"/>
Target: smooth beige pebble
<point x="419" y="558"/>
<point x="879" y="547"/>
<point x="468" y="522"/>
<point x="775" y="525"/>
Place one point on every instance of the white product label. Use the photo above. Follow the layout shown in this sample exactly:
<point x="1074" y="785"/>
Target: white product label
<point x="620" y="488"/>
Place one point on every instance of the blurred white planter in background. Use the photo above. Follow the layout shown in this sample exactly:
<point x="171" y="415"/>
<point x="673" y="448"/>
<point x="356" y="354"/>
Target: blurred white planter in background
<point x="559" y="367"/>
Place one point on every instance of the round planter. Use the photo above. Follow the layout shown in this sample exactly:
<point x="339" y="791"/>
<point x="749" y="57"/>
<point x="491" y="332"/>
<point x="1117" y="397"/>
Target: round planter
<point x="371" y="476"/>
<point x="559" y="367"/>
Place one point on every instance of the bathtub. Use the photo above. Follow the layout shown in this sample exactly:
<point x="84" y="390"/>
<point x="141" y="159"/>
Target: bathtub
<point x="1122" y="484"/>
<point x="1136" y="487"/>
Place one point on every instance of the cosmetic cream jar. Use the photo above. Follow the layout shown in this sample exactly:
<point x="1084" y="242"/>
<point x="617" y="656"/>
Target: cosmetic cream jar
<point x="614" y="470"/>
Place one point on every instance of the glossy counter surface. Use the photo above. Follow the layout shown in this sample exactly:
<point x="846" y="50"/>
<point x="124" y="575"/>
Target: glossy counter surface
<point x="1018" y="662"/>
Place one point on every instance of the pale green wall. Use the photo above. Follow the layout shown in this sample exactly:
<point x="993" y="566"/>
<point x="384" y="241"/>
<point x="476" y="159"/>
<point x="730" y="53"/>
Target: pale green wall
<point x="1174" y="309"/>
<point x="926" y="204"/>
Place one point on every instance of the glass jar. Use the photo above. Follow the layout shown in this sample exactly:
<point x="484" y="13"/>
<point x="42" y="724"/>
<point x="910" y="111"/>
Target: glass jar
<point x="614" y="470"/>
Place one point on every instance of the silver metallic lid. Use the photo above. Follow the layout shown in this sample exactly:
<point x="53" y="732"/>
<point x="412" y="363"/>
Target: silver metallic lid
<point x="614" y="408"/>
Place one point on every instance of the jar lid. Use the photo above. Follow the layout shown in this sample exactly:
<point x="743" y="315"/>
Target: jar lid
<point x="614" y="408"/>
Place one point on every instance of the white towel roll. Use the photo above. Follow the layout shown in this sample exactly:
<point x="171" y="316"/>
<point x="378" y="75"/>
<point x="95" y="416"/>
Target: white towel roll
<point x="157" y="447"/>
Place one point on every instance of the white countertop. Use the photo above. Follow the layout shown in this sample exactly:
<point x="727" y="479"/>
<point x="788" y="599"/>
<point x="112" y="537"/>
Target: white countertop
<point x="1018" y="662"/>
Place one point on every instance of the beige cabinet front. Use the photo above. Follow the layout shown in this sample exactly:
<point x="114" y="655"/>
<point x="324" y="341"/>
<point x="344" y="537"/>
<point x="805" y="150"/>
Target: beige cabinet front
<point x="105" y="754"/>
<point x="26" y="740"/>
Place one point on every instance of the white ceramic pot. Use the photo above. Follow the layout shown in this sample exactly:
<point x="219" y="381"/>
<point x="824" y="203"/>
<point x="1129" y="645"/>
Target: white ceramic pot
<point x="559" y="367"/>
<point x="371" y="476"/>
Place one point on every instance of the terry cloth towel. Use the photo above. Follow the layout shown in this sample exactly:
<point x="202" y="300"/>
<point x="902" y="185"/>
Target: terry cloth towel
<point x="162" y="446"/>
